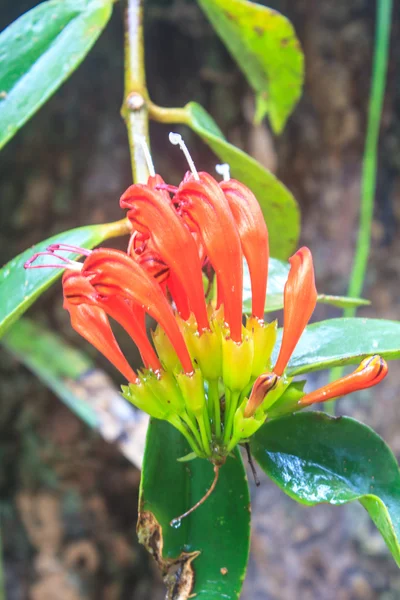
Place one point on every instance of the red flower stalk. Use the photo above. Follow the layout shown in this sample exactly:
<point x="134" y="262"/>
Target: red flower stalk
<point x="300" y="298"/>
<point x="369" y="373"/>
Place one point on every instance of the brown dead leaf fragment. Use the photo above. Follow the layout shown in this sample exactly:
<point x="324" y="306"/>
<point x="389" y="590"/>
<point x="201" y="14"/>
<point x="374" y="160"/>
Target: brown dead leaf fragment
<point x="177" y="572"/>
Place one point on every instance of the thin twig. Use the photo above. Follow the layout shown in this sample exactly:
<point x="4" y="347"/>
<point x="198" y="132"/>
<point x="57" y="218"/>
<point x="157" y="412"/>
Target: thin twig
<point x="251" y="464"/>
<point x="177" y="520"/>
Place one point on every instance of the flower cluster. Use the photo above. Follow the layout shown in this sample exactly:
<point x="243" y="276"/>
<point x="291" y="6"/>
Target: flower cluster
<point x="209" y="370"/>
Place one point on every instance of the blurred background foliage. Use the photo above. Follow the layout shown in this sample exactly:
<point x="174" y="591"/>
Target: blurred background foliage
<point x="67" y="497"/>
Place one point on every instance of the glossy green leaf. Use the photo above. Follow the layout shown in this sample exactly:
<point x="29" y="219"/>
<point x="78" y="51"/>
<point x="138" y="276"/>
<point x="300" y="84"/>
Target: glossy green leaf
<point x="40" y="50"/>
<point x="54" y="362"/>
<point x="19" y="288"/>
<point x="264" y="44"/>
<point x="219" y="529"/>
<point x="277" y="275"/>
<point x="338" y="342"/>
<point x="278" y="205"/>
<point x="315" y="458"/>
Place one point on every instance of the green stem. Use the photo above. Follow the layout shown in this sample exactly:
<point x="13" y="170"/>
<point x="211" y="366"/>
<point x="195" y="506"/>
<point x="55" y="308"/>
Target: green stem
<point x="213" y="394"/>
<point x="193" y="428"/>
<point x="168" y="115"/>
<point x="134" y="108"/>
<point x="204" y="434"/>
<point x="229" y="416"/>
<point x="368" y="176"/>
<point x="176" y="422"/>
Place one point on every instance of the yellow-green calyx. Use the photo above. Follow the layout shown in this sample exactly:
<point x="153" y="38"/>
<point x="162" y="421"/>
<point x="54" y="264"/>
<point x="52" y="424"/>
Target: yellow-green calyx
<point x="212" y="406"/>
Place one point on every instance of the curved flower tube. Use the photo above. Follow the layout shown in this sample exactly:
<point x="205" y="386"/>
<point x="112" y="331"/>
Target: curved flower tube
<point x="78" y="290"/>
<point x="370" y="372"/>
<point x="150" y="213"/>
<point x="300" y="298"/>
<point x="253" y="234"/>
<point x="91" y="322"/>
<point x="204" y="207"/>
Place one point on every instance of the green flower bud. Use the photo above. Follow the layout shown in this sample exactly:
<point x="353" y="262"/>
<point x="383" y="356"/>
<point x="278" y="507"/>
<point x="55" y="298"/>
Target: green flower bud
<point x="264" y="338"/>
<point x="142" y="397"/>
<point x="192" y="388"/>
<point x="237" y="362"/>
<point x="165" y="350"/>
<point x="164" y="386"/>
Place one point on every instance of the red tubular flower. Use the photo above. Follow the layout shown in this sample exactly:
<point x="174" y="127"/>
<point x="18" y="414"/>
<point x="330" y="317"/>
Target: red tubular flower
<point x="369" y="373"/>
<point x="203" y="205"/>
<point x="300" y="298"/>
<point x="78" y="290"/>
<point x="91" y="322"/>
<point x="152" y="214"/>
<point x="114" y="273"/>
<point x="254" y="239"/>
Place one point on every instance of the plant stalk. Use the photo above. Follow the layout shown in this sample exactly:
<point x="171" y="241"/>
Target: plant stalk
<point x="369" y="165"/>
<point x="368" y="177"/>
<point x="134" y="108"/>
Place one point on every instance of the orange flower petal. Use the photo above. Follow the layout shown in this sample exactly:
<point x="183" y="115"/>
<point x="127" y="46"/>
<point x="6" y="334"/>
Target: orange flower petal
<point x="78" y="291"/>
<point x="91" y="323"/>
<point x="203" y="205"/>
<point x="253" y="233"/>
<point x="370" y="372"/>
<point x="300" y="298"/>
<point x="150" y="212"/>
<point x="114" y="273"/>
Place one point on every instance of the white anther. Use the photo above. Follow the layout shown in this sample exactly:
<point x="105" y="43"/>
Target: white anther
<point x="140" y="139"/>
<point x="176" y="140"/>
<point x="224" y="170"/>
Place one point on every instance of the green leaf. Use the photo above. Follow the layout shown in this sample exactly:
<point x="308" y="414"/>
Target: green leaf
<point x="84" y="389"/>
<point x="19" y="288"/>
<point x="277" y="275"/>
<point x="219" y="529"/>
<point x="315" y="458"/>
<point x="40" y="50"/>
<point x="337" y="342"/>
<point x="264" y="44"/>
<point x="278" y="205"/>
<point x="54" y="362"/>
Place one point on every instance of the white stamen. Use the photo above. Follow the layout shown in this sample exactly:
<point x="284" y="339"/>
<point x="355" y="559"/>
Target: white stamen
<point x="176" y="140"/>
<point x="140" y="139"/>
<point x="224" y="170"/>
<point x="74" y="265"/>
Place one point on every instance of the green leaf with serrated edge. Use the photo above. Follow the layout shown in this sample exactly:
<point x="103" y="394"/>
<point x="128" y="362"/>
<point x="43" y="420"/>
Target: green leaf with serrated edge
<point x="264" y="44"/>
<point x="19" y="288"/>
<point x="278" y="205"/>
<point x="219" y="529"/>
<point x="315" y="458"/>
<point x="54" y="362"/>
<point x="345" y="341"/>
<point x="277" y="275"/>
<point x="40" y="50"/>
